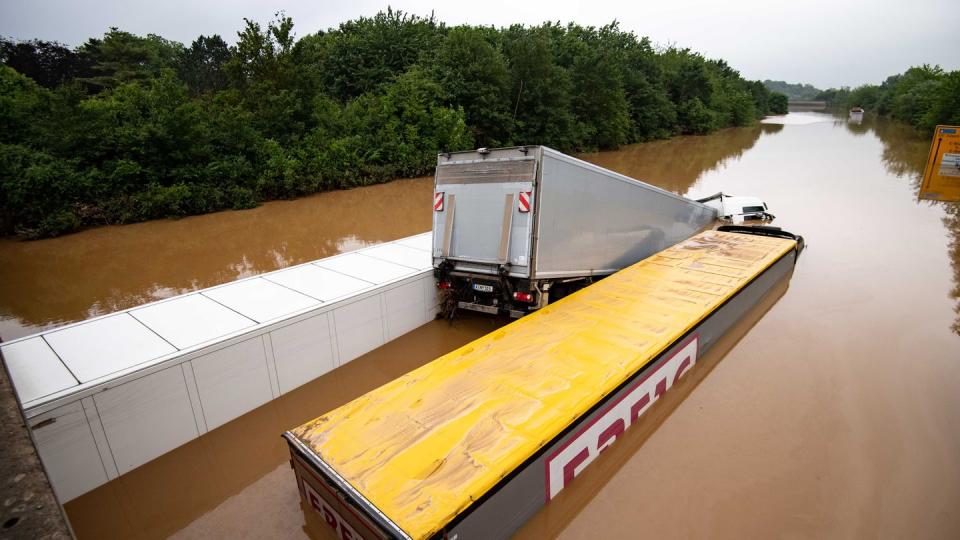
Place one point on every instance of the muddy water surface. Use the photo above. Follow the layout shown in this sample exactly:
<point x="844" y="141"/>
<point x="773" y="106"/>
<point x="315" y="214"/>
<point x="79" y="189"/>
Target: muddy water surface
<point x="54" y="282"/>
<point x="834" y="412"/>
<point x="838" y="414"/>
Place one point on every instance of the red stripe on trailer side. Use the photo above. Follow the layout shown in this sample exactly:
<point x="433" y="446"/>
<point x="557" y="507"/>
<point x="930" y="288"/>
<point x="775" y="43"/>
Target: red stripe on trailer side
<point x="562" y="466"/>
<point x="523" y="203"/>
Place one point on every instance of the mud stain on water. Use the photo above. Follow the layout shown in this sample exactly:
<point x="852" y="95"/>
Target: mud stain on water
<point x="836" y="414"/>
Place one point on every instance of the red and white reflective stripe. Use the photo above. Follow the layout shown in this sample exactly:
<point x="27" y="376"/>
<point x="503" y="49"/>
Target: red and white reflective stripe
<point x="524" y="202"/>
<point x="438" y="201"/>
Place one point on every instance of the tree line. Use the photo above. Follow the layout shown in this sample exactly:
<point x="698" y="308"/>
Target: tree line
<point x="922" y="96"/>
<point x="126" y="128"/>
<point x="797" y="91"/>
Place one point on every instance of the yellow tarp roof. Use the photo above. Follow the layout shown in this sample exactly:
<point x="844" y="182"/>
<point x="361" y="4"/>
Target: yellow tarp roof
<point x="424" y="446"/>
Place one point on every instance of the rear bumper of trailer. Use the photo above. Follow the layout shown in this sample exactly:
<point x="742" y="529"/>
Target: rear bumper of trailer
<point x="521" y="493"/>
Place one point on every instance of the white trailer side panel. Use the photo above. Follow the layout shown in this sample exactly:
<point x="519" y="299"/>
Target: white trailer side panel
<point x="592" y="221"/>
<point x="232" y="381"/>
<point x="405" y="309"/>
<point x="303" y="350"/>
<point x="68" y="450"/>
<point x="359" y="328"/>
<point x="147" y="417"/>
<point x="138" y="396"/>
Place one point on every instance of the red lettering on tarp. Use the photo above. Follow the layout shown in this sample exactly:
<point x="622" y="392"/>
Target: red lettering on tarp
<point x="610" y="434"/>
<point x="603" y="430"/>
<point x="661" y="389"/>
<point x="330" y="516"/>
<point x="637" y="408"/>
<point x="682" y="369"/>
<point x="570" y="468"/>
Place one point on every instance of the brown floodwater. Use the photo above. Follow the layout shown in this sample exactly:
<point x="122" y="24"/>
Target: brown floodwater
<point x="49" y="283"/>
<point x="833" y="410"/>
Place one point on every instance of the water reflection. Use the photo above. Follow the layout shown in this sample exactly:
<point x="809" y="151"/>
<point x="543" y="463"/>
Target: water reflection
<point x="858" y="128"/>
<point x="904" y="149"/>
<point x="952" y="223"/>
<point x="904" y="155"/>
<point x="52" y="282"/>
<point x="555" y="517"/>
<point x="676" y="164"/>
<point x="771" y="128"/>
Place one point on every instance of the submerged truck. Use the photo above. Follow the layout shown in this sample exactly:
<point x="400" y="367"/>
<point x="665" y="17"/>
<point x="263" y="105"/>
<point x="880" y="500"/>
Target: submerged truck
<point x="515" y="228"/>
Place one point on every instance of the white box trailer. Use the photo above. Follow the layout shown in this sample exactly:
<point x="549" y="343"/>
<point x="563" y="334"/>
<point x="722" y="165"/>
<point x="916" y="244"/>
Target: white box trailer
<point x="515" y="227"/>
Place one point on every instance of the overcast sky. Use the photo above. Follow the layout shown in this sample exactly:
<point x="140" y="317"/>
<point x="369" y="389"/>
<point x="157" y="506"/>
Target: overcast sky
<point x="823" y="42"/>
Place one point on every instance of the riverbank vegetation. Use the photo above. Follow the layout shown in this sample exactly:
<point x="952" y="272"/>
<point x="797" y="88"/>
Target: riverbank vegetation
<point x="127" y="128"/>
<point x="797" y="91"/>
<point x="921" y="96"/>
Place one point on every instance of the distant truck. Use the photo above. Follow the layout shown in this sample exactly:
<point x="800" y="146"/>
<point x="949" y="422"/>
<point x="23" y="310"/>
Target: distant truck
<point x="515" y="228"/>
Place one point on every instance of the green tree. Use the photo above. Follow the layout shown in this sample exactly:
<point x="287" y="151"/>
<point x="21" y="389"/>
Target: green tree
<point x="539" y="91"/>
<point x="155" y="129"/>
<point x="914" y="93"/>
<point x="121" y="57"/>
<point x="201" y="66"/>
<point x="598" y="98"/>
<point x="472" y="74"/>
<point x="797" y="91"/>
<point x="271" y="84"/>
<point x="944" y="106"/>
<point x="368" y="52"/>
<point x="922" y="96"/>
<point x="778" y="103"/>
<point x="49" y="64"/>
<point x="653" y="114"/>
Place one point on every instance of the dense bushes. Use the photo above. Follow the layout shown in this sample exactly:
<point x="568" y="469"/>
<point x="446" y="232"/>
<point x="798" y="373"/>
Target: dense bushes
<point x="797" y="91"/>
<point x="127" y="128"/>
<point x="922" y="96"/>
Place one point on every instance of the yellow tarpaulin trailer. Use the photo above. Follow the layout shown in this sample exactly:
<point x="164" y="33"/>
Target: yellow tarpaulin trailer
<point x="473" y="443"/>
<point x="941" y="176"/>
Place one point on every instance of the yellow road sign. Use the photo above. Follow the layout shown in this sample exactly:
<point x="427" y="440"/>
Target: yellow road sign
<point x="941" y="177"/>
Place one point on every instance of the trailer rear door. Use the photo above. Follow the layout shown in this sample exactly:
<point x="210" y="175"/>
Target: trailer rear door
<point x="483" y="212"/>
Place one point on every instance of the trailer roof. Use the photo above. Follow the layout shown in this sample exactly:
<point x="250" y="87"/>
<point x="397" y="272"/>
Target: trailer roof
<point x="59" y="363"/>
<point x="423" y="447"/>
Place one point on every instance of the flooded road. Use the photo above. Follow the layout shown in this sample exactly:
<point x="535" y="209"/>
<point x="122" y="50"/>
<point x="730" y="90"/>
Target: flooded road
<point x="838" y="414"/>
<point x="834" y="412"/>
<point x="53" y="282"/>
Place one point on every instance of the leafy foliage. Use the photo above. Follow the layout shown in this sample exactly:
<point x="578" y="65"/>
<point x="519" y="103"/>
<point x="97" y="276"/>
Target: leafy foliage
<point x="49" y="64"/>
<point x="128" y="128"/>
<point x="922" y="96"/>
<point x="798" y="91"/>
<point x="201" y="66"/>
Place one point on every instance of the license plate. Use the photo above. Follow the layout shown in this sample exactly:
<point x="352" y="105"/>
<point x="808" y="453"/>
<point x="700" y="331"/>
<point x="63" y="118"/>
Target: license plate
<point x="480" y="287"/>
